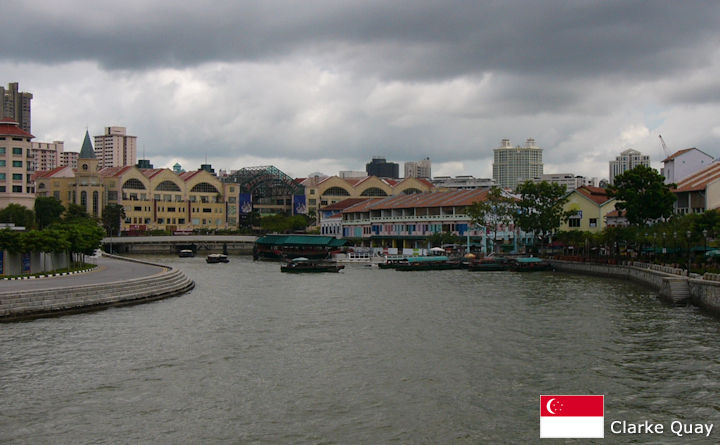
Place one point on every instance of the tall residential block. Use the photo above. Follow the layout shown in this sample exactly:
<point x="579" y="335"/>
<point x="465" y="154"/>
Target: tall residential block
<point x="16" y="105"/>
<point x="69" y="158"/>
<point x="514" y="165"/>
<point x="16" y="185"/>
<point x="46" y="155"/>
<point x="114" y="148"/>
<point x="419" y="169"/>
<point x="627" y="160"/>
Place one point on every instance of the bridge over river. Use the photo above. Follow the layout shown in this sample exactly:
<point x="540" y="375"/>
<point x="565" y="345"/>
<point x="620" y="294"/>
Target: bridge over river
<point x="171" y="244"/>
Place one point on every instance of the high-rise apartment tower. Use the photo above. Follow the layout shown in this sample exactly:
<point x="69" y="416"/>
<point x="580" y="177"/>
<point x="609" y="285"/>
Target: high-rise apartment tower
<point x="115" y="148"/>
<point x="514" y="165"/>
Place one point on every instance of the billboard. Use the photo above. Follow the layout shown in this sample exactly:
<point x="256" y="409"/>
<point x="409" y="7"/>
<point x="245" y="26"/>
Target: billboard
<point x="299" y="206"/>
<point x="245" y="203"/>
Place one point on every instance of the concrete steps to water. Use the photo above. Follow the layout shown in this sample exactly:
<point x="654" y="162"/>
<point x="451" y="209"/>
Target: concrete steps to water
<point x="21" y="305"/>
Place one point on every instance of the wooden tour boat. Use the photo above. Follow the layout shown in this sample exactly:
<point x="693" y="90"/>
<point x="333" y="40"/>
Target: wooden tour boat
<point x="306" y="265"/>
<point x="186" y="253"/>
<point x="487" y="265"/>
<point x="439" y="262"/>
<point x="531" y="264"/>
<point x="217" y="258"/>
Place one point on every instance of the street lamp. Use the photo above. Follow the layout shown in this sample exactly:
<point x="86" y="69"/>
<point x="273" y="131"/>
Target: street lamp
<point x="689" y="234"/>
<point x="647" y="241"/>
<point x="704" y="260"/>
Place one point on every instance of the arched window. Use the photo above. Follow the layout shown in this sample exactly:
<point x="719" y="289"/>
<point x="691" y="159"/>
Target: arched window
<point x="133" y="184"/>
<point x="336" y="191"/>
<point x="168" y="186"/>
<point x="411" y="191"/>
<point x="83" y="199"/>
<point x="373" y="191"/>
<point x="95" y="203"/>
<point x="204" y="187"/>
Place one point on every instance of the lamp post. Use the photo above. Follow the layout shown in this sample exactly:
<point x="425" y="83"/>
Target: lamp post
<point x="664" y="249"/>
<point x="647" y="241"/>
<point x="704" y="260"/>
<point x="689" y="234"/>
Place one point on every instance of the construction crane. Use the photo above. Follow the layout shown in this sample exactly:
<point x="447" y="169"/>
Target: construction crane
<point x="664" y="147"/>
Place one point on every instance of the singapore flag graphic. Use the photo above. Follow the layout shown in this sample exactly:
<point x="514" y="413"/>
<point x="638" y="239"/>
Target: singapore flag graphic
<point x="569" y="417"/>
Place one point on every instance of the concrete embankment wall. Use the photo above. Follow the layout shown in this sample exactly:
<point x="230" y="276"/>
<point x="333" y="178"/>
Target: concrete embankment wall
<point x="672" y="284"/>
<point x="23" y="305"/>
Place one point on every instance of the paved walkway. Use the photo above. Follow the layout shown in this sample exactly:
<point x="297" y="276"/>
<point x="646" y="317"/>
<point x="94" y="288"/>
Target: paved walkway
<point x="108" y="270"/>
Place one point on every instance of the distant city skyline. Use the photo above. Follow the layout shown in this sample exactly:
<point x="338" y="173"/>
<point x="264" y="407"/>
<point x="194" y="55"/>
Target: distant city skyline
<point x="327" y="87"/>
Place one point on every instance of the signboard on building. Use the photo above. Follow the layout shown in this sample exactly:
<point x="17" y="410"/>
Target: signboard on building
<point x="25" y="263"/>
<point x="245" y="203"/>
<point x="299" y="206"/>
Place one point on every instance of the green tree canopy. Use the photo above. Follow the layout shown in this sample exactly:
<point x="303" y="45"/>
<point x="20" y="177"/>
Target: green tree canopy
<point x="496" y="210"/>
<point x="642" y="193"/>
<point x="112" y="217"/>
<point x="438" y="239"/>
<point x="48" y="210"/>
<point x="540" y="209"/>
<point x="19" y="215"/>
<point x="76" y="212"/>
<point x="10" y="240"/>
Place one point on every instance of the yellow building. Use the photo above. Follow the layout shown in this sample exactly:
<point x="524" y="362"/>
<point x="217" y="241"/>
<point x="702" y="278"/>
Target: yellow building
<point x="153" y="199"/>
<point x="592" y="205"/>
<point x="324" y="191"/>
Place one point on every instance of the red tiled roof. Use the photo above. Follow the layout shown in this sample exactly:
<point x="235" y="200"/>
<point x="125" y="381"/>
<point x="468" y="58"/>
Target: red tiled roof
<point x="596" y="194"/>
<point x="677" y="153"/>
<point x="47" y="173"/>
<point x="345" y="203"/>
<point x="699" y="180"/>
<point x="113" y="171"/>
<point x="10" y="127"/>
<point x="151" y="172"/>
<point x="430" y="199"/>
<point x="186" y="176"/>
<point x="616" y="213"/>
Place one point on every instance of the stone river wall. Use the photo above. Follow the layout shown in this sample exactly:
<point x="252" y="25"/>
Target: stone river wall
<point x="28" y="304"/>
<point x="672" y="284"/>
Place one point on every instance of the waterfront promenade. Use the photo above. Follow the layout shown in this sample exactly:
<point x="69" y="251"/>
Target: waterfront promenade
<point x="114" y="282"/>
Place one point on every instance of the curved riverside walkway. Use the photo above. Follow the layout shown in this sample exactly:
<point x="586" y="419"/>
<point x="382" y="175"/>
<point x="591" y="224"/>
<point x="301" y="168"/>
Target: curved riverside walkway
<point x="116" y="281"/>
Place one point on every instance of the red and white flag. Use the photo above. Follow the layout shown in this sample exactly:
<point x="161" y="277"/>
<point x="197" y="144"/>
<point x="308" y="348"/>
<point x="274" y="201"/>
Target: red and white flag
<point x="572" y="417"/>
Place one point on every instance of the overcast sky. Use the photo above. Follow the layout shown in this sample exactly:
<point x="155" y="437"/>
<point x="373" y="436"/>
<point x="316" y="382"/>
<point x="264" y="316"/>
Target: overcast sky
<point x="325" y="85"/>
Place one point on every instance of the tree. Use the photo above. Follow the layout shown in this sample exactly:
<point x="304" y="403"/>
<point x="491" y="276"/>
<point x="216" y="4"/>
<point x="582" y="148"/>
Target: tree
<point x="541" y="207"/>
<point x="10" y="241"/>
<point x="48" y="210"/>
<point x="496" y="210"/>
<point x="112" y="217"/>
<point x="19" y="215"/>
<point x="643" y="194"/>
<point x="76" y="212"/>
<point x="438" y="239"/>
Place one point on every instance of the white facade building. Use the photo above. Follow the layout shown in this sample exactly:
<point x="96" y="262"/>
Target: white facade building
<point x="684" y="163"/>
<point x="462" y="182"/>
<point x="419" y="169"/>
<point x="570" y="181"/>
<point x="627" y="160"/>
<point x="115" y="148"/>
<point x="514" y="165"/>
<point x="46" y="155"/>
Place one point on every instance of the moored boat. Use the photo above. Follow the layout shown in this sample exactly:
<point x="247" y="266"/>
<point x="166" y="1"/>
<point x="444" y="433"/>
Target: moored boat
<point x="529" y="264"/>
<point x="392" y="262"/>
<point x="186" y="253"/>
<point x="306" y="265"/>
<point x="217" y="258"/>
<point x="487" y="265"/>
<point x="440" y="262"/>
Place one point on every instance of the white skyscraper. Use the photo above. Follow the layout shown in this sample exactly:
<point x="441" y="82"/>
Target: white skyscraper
<point x="115" y="148"/>
<point x="627" y="160"/>
<point x="514" y="165"/>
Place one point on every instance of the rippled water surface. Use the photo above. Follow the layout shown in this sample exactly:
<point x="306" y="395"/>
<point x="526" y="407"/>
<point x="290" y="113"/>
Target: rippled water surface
<point x="365" y="356"/>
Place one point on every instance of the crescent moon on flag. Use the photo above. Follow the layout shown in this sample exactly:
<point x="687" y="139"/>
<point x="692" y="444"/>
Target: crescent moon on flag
<point x="548" y="406"/>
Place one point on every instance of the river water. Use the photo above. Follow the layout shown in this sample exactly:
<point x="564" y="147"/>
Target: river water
<point x="367" y="356"/>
